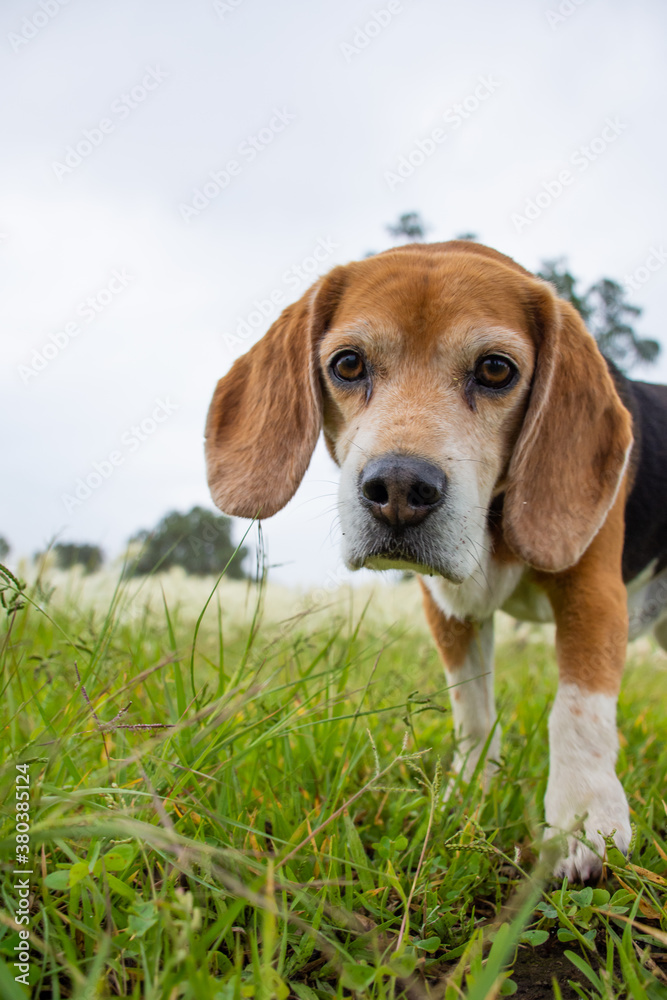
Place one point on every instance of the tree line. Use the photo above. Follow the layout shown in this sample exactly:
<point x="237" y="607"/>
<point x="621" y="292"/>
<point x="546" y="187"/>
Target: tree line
<point x="200" y="541"/>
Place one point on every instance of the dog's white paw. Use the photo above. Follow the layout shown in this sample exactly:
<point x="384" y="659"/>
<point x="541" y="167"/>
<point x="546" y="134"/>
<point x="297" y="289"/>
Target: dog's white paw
<point x="584" y="796"/>
<point x="597" y="811"/>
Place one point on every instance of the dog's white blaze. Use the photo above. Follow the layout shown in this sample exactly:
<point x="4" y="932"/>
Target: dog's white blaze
<point x="582" y="783"/>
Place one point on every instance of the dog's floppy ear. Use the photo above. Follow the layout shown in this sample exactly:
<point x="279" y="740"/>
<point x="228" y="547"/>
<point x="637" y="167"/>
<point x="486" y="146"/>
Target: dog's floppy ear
<point x="573" y="447"/>
<point x="266" y="413"/>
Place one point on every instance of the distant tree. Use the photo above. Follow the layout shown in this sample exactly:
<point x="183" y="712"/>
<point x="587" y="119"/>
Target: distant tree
<point x="555" y="271"/>
<point x="5" y="548"/>
<point x="610" y="327"/>
<point x="199" y="541"/>
<point x="410" y="227"/>
<point x="606" y="313"/>
<point x="67" y="555"/>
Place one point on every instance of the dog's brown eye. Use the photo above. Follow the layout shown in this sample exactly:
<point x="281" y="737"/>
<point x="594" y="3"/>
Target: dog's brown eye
<point x="494" y="372"/>
<point x="349" y="366"/>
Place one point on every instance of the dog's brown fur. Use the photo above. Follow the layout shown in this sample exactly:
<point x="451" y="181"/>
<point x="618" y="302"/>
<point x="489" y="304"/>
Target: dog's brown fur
<point x="546" y="465"/>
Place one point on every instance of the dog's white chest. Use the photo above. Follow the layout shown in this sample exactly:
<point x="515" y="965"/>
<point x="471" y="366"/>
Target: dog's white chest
<point x="486" y="589"/>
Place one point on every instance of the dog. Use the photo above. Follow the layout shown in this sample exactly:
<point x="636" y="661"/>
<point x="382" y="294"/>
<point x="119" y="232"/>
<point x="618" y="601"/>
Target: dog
<point x="485" y="444"/>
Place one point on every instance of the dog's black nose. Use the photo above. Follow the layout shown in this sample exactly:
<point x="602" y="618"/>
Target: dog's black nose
<point x="401" y="490"/>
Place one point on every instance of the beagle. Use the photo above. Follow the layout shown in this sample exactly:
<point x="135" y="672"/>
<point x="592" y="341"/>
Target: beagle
<point x="484" y="443"/>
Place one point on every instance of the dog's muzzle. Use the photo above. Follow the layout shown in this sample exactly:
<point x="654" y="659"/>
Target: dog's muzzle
<point x="400" y="491"/>
<point x="403" y="512"/>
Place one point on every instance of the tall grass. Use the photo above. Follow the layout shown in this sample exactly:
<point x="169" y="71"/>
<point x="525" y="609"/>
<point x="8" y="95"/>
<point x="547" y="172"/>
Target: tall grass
<point x="258" y="813"/>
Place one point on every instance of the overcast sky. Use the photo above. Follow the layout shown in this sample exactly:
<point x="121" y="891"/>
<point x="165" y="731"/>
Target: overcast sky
<point x="132" y="275"/>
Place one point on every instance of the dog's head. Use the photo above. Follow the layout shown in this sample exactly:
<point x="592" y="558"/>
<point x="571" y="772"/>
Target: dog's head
<point x="443" y="376"/>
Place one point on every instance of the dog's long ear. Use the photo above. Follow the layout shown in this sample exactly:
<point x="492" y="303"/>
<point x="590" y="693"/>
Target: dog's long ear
<point x="572" y="450"/>
<point x="266" y="413"/>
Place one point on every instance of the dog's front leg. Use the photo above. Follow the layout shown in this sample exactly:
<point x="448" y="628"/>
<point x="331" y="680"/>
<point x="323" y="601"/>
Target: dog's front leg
<point x="466" y="649"/>
<point x="583" y="791"/>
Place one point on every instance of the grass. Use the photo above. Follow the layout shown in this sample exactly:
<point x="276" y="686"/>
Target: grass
<point x="257" y="813"/>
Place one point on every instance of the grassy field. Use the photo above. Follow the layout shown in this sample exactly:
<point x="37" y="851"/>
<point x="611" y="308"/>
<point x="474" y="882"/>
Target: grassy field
<point x="240" y="798"/>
